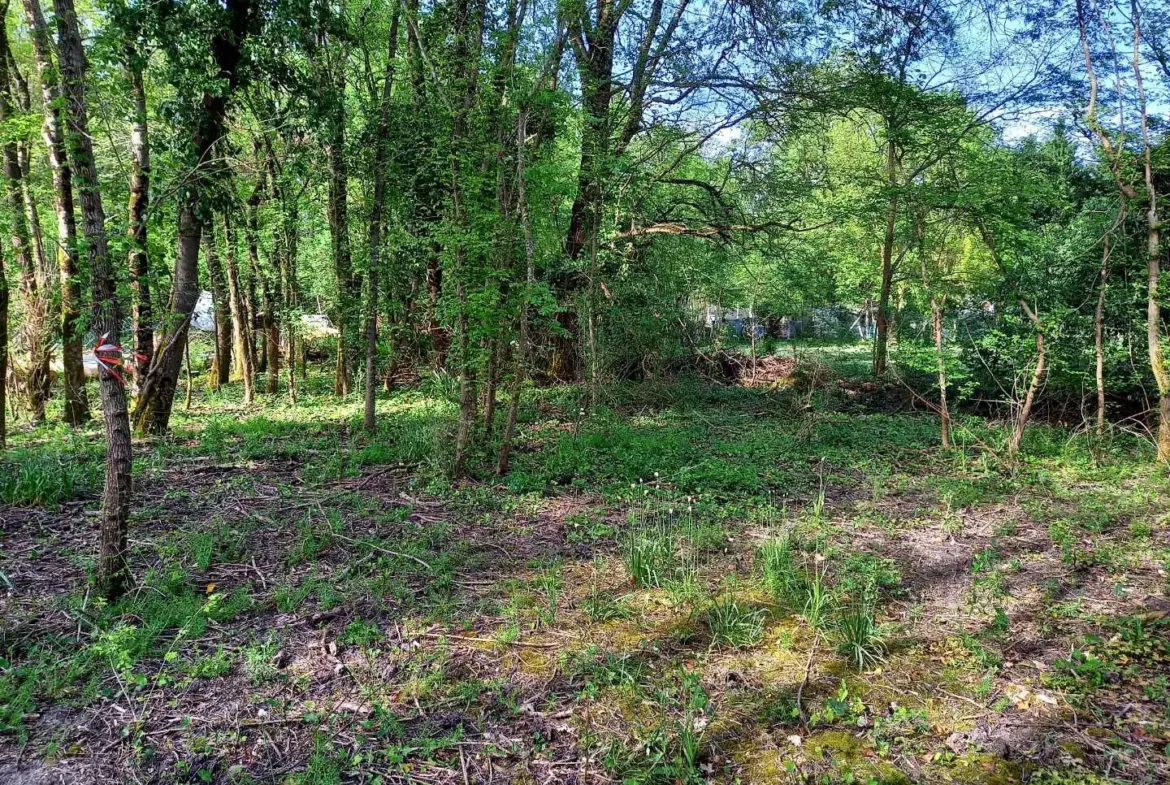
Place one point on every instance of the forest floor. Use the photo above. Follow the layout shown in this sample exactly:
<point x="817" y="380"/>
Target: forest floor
<point x="697" y="584"/>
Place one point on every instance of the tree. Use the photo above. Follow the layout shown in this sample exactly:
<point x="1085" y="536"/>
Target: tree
<point x="32" y="283"/>
<point x="53" y="128"/>
<point x="112" y="570"/>
<point x="229" y="28"/>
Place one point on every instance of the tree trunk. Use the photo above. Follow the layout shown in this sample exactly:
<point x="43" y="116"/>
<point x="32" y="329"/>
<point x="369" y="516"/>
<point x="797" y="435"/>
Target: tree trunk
<point x="53" y="130"/>
<point x="241" y="327"/>
<point x="36" y="332"/>
<point x="349" y="299"/>
<point x="1153" y="256"/>
<point x="1099" y="335"/>
<point x="468" y="30"/>
<point x="221" y="370"/>
<point x="489" y="396"/>
<point x="1025" y="413"/>
<point x="142" y="320"/>
<point x="112" y="569"/>
<point x="268" y="288"/>
<point x="377" y="216"/>
<point x="36" y="328"/>
<point x="881" y="339"/>
<point x="3" y="354"/>
<point x="943" y="411"/>
<point x="152" y="413"/>
<point x="521" y="356"/>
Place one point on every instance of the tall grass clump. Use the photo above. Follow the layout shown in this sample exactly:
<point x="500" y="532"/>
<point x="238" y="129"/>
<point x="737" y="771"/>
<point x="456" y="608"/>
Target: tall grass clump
<point x="663" y="549"/>
<point x="45" y="478"/>
<point x="784" y="576"/>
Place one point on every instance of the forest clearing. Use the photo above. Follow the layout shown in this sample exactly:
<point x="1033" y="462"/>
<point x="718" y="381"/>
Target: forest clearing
<point x="651" y="392"/>
<point x="668" y="591"/>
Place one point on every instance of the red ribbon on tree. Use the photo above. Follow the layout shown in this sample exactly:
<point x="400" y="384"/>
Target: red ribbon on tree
<point x="109" y="357"/>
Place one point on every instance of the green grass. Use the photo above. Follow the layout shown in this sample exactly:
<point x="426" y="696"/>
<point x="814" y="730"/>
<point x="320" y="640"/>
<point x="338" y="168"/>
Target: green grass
<point x="653" y="576"/>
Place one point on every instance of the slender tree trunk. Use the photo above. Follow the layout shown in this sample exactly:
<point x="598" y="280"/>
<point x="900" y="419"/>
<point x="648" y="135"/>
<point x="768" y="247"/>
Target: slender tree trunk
<point x="377" y="216"/>
<point x="440" y="337"/>
<point x="521" y="354"/>
<point x="881" y="339"/>
<point x="287" y="243"/>
<point x="943" y="411"/>
<point x="141" y="317"/>
<point x="3" y="353"/>
<point x="112" y="568"/>
<point x="489" y="396"/>
<point x="23" y="99"/>
<point x="222" y="368"/>
<point x="241" y="327"/>
<point x="187" y="356"/>
<point x="1153" y="256"/>
<point x="36" y="370"/>
<point x="1099" y="335"/>
<point x="348" y="295"/>
<point x="468" y="31"/>
<point x="1025" y="413"/>
<point x="268" y="287"/>
<point x="53" y="130"/>
<point x="36" y="332"/>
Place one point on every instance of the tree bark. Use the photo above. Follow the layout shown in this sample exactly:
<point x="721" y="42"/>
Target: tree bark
<point x="468" y="31"/>
<point x="268" y="286"/>
<point x="1153" y="257"/>
<point x="1099" y="333"/>
<point x="112" y="568"/>
<point x="53" y="130"/>
<point x="520" y="368"/>
<point x="348" y="311"/>
<point x="31" y="211"/>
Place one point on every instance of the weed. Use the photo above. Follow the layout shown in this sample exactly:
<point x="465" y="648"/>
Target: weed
<point x="732" y="623"/>
<point x="860" y="638"/>
<point x="48" y="477"/>
<point x="259" y="661"/>
<point x="783" y="575"/>
<point x="603" y="606"/>
<point x="817" y="595"/>
<point x="662" y="550"/>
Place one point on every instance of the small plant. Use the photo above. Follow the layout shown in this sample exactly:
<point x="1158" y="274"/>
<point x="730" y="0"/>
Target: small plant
<point x="864" y="575"/>
<point x="259" y="661"/>
<point x="602" y="606"/>
<point x="733" y="624"/>
<point x="817" y="596"/>
<point x="783" y="575"/>
<point x="664" y="551"/>
<point x="649" y="558"/>
<point x="549" y="582"/>
<point x="361" y="633"/>
<point x="860" y="638"/>
<point x="203" y="549"/>
<point x="817" y="507"/>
